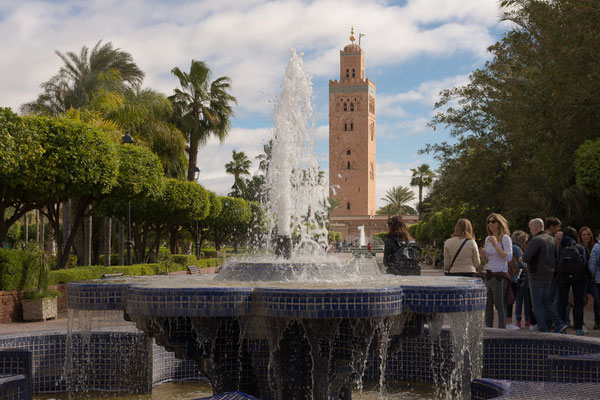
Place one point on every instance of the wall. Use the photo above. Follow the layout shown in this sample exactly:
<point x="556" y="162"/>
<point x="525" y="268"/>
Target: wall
<point x="11" y="309"/>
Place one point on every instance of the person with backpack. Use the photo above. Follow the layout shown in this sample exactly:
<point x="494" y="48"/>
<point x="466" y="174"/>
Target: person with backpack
<point x="401" y="255"/>
<point x="461" y="255"/>
<point x="497" y="251"/>
<point x="570" y="273"/>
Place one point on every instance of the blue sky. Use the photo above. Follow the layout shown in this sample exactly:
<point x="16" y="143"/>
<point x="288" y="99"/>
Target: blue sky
<point x="414" y="49"/>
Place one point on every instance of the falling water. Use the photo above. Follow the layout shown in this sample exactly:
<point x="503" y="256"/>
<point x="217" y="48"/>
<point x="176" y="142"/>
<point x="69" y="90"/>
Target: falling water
<point x="296" y="188"/>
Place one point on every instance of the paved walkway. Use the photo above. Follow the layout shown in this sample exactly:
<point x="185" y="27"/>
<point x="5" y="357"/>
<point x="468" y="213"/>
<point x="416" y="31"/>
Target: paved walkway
<point x="428" y="270"/>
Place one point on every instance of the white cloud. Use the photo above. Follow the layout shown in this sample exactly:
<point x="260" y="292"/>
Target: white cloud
<point x="390" y="174"/>
<point x="249" y="41"/>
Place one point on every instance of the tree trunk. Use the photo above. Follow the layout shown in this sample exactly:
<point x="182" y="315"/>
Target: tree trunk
<point x="173" y="234"/>
<point x="193" y="159"/>
<point x="37" y="227"/>
<point x="121" y="243"/>
<point x="66" y="220"/>
<point x="26" y="226"/>
<point x="87" y="238"/>
<point x="107" y="240"/>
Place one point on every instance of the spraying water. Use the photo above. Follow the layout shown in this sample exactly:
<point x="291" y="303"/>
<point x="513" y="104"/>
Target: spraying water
<point x="297" y="190"/>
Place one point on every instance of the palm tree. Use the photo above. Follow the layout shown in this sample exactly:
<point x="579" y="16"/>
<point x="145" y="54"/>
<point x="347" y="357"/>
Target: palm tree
<point x="202" y="108"/>
<point x="144" y="113"/>
<point x="389" y="210"/>
<point x="422" y="176"/>
<point x="398" y="196"/>
<point x="83" y="74"/>
<point x="240" y="165"/>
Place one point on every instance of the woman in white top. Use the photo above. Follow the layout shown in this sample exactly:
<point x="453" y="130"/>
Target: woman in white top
<point x="497" y="251"/>
<point x="461" y="254"/>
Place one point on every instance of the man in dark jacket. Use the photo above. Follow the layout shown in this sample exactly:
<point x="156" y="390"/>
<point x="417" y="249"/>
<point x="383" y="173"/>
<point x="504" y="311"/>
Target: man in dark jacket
<point x="541" y="255"/>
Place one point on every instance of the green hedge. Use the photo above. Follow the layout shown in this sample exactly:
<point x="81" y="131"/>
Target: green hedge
<point x="19" y="271"/>
<point x="96" y="272"/>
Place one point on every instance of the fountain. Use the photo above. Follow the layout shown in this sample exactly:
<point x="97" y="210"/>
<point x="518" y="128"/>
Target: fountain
<point x="301" y="324"/>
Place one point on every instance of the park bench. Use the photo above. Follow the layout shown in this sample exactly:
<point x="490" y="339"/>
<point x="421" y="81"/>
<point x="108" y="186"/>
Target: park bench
<point x="193" y="269"/>
<point x="115" y="275"/>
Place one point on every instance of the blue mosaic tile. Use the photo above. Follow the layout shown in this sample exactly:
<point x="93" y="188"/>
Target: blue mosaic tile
<point x="541" y="390"/>
<point x="230" y="396"/>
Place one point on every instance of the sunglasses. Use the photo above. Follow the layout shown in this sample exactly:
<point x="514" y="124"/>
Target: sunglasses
<point x="492" y="221"/>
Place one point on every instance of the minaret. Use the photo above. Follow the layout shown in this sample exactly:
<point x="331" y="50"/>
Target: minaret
<point x="352" y="136"/>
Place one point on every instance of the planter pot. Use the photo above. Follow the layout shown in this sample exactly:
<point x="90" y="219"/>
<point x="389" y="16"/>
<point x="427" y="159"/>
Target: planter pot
<point x="39" y="309"/>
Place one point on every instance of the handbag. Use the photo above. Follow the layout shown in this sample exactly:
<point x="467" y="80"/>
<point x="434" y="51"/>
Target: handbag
<point x="456" y="255"/>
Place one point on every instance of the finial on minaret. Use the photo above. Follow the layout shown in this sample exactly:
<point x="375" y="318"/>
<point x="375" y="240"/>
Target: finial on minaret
<point x="352" y="39"/>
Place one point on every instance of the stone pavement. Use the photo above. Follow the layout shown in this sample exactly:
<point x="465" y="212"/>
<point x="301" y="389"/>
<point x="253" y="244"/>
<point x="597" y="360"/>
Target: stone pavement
<point x="428" y="270"/>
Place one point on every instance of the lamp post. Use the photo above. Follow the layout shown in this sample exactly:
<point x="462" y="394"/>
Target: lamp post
<point x="196" y="172"/>
<point x="127" y="139"/>
<point x="235" y="189"/>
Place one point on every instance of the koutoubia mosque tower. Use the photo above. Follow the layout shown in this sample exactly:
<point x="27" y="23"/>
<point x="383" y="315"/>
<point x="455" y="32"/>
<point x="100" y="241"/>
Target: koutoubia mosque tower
<point x="352" y="137"/>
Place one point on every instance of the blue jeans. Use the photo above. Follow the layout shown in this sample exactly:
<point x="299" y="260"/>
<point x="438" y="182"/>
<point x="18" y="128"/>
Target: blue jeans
<point x="543" y="306"/>
<point x="523" y="300"/>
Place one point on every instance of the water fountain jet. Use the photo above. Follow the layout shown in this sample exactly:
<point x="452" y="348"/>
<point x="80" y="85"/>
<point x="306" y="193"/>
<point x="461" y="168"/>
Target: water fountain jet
<point x="294" y="326"/>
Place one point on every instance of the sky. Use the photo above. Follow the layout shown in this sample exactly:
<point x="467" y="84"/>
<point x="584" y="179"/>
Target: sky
<point x="414" y="49"/>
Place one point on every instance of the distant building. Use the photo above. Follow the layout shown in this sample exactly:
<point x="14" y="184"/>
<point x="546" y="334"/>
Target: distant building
<point x="352" y="135"/>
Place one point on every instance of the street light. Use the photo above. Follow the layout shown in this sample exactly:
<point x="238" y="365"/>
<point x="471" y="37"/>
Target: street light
<point x="196" y="172"/>
<point x="127" y="139"/>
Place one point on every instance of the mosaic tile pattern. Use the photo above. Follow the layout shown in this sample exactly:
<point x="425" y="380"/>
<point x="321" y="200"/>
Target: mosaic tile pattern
<point x="448" y="299"/>
<point x="188" y="302"/>
<point x="96" y="296"/>
<point x="542" y="390"/>
<point x="327" y="303"/>
<point x="226" y="301"/>
<point x="531" y="357"/>
<point x="230" y="396"/>
<point x="15" y="374"/>
<point x="524" y="357"/>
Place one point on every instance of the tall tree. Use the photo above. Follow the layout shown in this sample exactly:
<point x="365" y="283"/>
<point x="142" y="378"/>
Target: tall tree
<point x="518" y="122"/>
<point x="81" y="75"/>
<point x="240" y="165"/>
<point x="422" y="177"/>
<point x="202" y="108"/>
<point x="398" y="196"/>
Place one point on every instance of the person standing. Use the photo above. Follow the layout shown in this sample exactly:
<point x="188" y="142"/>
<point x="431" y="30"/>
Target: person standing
<point x="497" y="251"/>
<point x="594" y="264"/>
<point x="540" y="256"/>
<point x="523" y="298"/>
<point x="461" y="255"/>
<point x="571" y="276"/>
<point x="585" y="237"/>
<point x="401" y="255"/>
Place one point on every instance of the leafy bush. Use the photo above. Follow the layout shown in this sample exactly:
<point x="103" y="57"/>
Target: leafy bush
<point x="19" y="269"/>
<point x="332" y="236"/>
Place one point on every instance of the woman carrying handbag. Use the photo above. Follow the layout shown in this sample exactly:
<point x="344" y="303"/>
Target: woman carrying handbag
<point x="461" y="254"/>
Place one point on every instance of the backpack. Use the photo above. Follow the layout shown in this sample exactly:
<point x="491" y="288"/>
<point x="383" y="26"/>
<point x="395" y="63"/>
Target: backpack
<point x="406" y="259"/>
<point x="513" y="266"/>
<point x="570" y="264"/>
